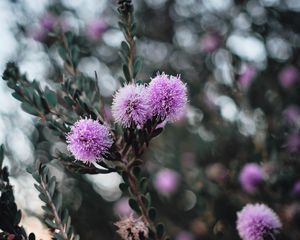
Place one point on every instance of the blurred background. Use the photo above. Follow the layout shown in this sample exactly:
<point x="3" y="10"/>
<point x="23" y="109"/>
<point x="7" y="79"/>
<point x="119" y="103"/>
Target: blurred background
<point x="240" y="60"/>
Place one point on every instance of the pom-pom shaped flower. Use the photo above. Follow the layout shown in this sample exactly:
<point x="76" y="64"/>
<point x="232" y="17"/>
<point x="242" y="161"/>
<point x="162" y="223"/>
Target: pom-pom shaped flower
<point x="167" y="96"/>
<point x="88" y="140"/>
<point x="132" y="229"/>
<point x="257" y="222"/>
<point x="251" y="177"/>
<point x="130" y="105"/>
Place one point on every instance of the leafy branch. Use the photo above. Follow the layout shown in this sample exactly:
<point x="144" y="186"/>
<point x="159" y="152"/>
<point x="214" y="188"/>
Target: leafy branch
<point x="131" y="63"/>
<point x="55" y="218"/>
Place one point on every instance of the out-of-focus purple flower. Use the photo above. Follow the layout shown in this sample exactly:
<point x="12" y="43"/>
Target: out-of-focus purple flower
<point x="88" y="140"/>
<point x="48" y="21"/>
<point x="293" y="142"/>
<point x="257" y="221"/>
<point x="107" y="113"/>
<point x="122" y="208"/>
<point x="247" y="76"/>
<point x="292" y="115"/>
<point x="167" y="97"/>
<point x="95" y="29"/>
<point x="184" y="235"/>
<point x="296" y="188"/>
<point x="131" y="228"/>
<point x="210" y="42"/>
<point x="166" y="181"/>
<point x="130" y="105"/>
<point x="288" y="76"/>
<point x="38" y="34"/>
<point x="251" y="176"/>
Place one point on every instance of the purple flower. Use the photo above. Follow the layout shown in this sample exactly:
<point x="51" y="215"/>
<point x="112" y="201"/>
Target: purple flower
<point x="167" y="96"/>
<point x="130" y="106"/>
<point x="88" y="140"/>
<point x="183" y="235"/>
<point x="293" y="143"/>
<point x="288" y="76"/>
<point x="296" y="188"/>
<point x="210" y="42"/>
<point x="251" y="176"/>
<point x="292" y="114"/>
<point x="122" y="208"/>
<point x="38" y="34"/>
<point x="166" y="181"/>
<point x="257" y="221"/>
<point x="95" y="29"/>
<point x="48" y="21"/>
<point x="247" y="76"/>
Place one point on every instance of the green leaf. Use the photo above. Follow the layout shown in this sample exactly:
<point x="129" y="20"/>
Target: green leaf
<point x="29" y="109"/>
<point x="52" y="185"/>
<point x="62" y="53"/>
<point x="156" y="132"/>
<point x="58" y="200"/>
<point x="123" y="187"/>
<point x="160" y="230"/>
<point x="50" y="223"/>
<point x="122" y="26"/>
<point x="75" y="52"/>
<point x="144" y="185"/>
<point x="43" y="198"/>
<point x="126" y="73"/>
<point x="18" y="96"/>
<point x="134" y="205"/>
<point x="152" y="214"/>
<point x="58" y="236"/>
<point x="39" y="188"/>
<point x="51" y="97"/>
<point x="48" y="211"/>
<point x="125" y="48"/>
<point x="69" y="101"/>
<point x="137" y="66"/>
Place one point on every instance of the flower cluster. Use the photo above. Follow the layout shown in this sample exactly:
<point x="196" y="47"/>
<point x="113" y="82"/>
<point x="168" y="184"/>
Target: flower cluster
<point x="257" y="222"/>
<point x="165" y="98"/>
<point x="88" y="140"/>
<point x="132" y="228"/>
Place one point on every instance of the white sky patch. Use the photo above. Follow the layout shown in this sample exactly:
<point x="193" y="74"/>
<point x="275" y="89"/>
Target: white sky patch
<point x="228" y="108"/>
<point x="217" y="5"/>
<point x="247" y="47"/>
<point x="107" y="185"/>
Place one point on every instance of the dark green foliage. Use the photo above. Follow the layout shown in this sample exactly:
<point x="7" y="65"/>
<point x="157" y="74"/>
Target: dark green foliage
<point x="10" y="215"/>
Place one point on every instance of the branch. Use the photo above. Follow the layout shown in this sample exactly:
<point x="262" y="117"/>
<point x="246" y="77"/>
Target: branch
<point x="59" y="222"/>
